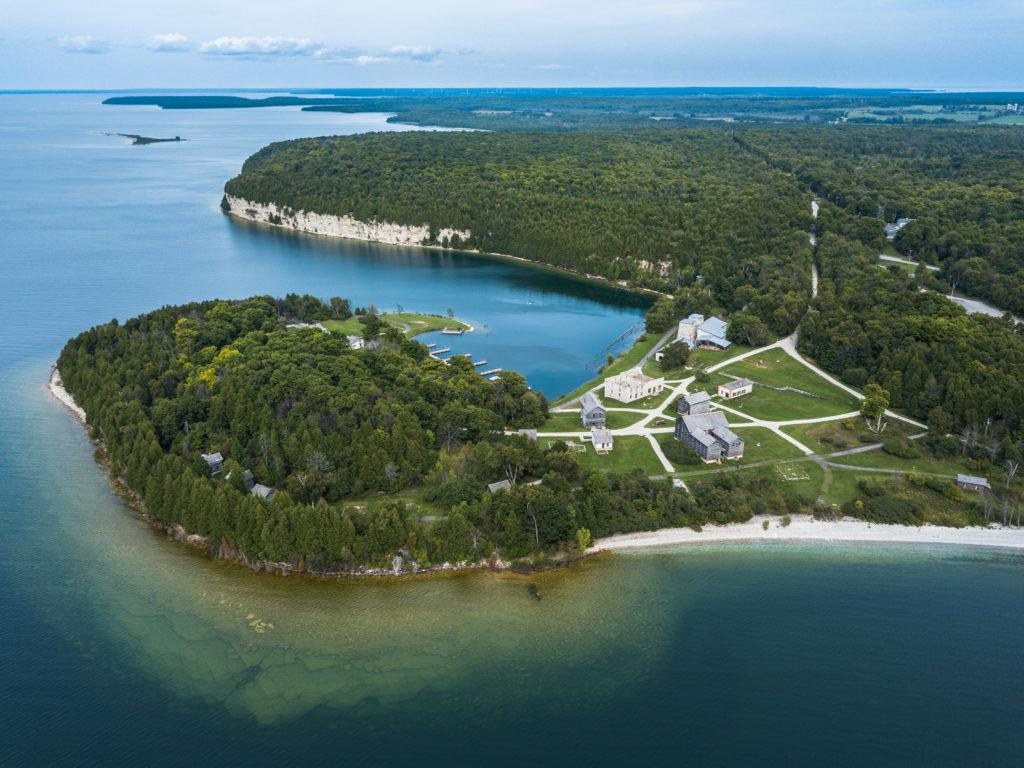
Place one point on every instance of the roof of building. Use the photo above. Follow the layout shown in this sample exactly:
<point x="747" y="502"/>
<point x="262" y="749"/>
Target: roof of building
<point x="696" y="398"/>
<point x="736" y="384"/>
<point x="634" y="374"/>
<point x="263" y="491"/>
<point x="716" y="326"/>
<point x="973" y="480"/>
<point x="212" y="458"/>
<point x="247" y="475"/>
<point x="694" y="317"/>
<point x="705" y="427"/>
<point x="589" y="402"/>
<point x="501" y="485"/>
<point x="601" y="435"/>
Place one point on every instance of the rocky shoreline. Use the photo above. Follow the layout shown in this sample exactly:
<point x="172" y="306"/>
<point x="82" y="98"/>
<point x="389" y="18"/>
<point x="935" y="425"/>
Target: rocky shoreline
<point x="388" y="233"/>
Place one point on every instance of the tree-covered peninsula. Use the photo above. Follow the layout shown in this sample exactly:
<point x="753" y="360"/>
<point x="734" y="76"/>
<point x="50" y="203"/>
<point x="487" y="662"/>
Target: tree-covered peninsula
<point x="372" y="453"/>
<point x="663" y="209"/>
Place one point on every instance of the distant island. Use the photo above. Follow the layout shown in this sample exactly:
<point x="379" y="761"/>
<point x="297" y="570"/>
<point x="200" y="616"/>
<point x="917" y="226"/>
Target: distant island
<point x="137" y="139"/>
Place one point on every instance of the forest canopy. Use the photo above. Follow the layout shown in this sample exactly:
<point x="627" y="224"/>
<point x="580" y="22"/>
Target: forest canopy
<point x="669" y="210"/>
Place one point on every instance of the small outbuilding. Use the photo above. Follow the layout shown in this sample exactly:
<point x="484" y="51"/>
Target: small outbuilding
<point x="973" y="483"/>
<point x="214" y="462"/>
<point x="356" y="342"/>
<point x="603" y="440"/>
<point x="735" y="388"/>
<point x="501" y="485"/>
<point x="249" y="479"/>
<point x="264" y="492"/>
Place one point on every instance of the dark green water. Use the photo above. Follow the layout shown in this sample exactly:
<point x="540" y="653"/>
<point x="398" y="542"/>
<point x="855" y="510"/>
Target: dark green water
<point x="118" y="647"/>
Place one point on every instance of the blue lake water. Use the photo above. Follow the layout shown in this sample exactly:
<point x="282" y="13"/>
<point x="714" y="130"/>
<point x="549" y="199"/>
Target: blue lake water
<point x="118" y="647"/>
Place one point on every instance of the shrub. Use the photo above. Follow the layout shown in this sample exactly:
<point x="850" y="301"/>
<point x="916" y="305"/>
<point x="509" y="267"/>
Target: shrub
<point x="785" y="521"/>
<point x="901" y="447"/>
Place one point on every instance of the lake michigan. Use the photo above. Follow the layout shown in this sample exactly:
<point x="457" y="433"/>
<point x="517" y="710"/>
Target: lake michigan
<point x="119" y="647"/>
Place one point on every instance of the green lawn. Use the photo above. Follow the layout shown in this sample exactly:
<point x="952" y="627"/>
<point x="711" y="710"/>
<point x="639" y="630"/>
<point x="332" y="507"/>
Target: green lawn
<point x="630" y="452"/>
<point x="571" y="422"/>
<point x="563" y="422"/>
<point x="629" y="359"/>
<point x="705" y="358"/>
<point x="838" y="435"/>
<point x="761" y="444"/>
<point x="776" y="368"/>
<point x="410" y="323"/>
<point x="925" y="463"/>
<point x="622" y="419"/>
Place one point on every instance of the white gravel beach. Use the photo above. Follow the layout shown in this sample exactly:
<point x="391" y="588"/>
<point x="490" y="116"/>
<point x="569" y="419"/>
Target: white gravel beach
<point x="56" y="387"/>
<point x="806" y="528"/>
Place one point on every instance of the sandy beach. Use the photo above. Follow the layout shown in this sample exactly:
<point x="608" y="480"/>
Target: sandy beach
<point x="56" y="387"/>
<point x="806" y="528"/>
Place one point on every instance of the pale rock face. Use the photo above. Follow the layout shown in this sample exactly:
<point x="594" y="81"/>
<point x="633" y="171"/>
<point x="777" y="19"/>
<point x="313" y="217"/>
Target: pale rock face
<point x="338" y="226"/>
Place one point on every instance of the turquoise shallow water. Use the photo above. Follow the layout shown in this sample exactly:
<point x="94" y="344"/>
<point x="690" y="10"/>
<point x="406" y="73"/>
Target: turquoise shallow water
<point x="118" y="647"/>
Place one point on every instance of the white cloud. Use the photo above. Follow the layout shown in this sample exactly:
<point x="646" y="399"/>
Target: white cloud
<point x="366" y="59"/>
<point x="264" y="46"/>
<point x="416" y="52"/>
<point x="169" y="42"/>
<point x="84" y="44"/>
<point x="548" y="66"/>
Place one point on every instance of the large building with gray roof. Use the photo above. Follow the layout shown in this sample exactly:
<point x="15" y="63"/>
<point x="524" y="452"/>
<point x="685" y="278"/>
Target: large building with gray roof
<point x="709" y="435"/>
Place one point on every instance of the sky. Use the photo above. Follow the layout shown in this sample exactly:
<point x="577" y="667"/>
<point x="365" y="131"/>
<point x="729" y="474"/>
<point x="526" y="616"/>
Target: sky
<point x="107" y="44"/>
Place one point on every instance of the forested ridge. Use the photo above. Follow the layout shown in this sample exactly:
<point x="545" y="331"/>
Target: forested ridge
<point x="375" y="453"/>
<point x="962" y="186"/>
<point x="664" y="209"/>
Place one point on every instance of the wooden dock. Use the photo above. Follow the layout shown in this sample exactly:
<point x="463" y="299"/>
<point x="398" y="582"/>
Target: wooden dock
<point x="442" y="351"/>
<point x="480" y="362"/>
<point x="453" y="331"/>
<point x="492" y="370"/>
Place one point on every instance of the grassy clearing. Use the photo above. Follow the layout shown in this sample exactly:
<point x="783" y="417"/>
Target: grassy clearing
<point x="776" y="368"/>
<point x="761" y="444"/>
<point x="629" y="359"/>
<point x="926" y="463"/>
<point x="622" y="419"/>
<point x="410" y="323"/>
<point x="629" y="453"/>
<point x="563" y="422"/>
<point x="705" y="358"/>
<point x="841" y="434"/>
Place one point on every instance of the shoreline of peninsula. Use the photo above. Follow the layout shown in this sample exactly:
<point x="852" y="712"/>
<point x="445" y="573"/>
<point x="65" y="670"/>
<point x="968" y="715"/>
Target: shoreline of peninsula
<point x="802" y="528"/>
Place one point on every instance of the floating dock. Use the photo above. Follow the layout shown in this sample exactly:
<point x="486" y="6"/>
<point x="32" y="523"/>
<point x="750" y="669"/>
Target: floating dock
<point x="453" y="331"/>
<point x="442" y="351"/>
<point x="492" y="370"/>
<point x="480" y="362"/>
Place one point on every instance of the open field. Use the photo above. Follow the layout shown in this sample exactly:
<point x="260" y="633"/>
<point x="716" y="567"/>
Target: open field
<point x="761" y="444"/>
<point x="630" y="452"/>
<point x="925" y="463"/>
<point x="571" y="422"/>
<point x="841" y="434"/>
<point x="410" y="323"/>
<point x="777" y="369"/>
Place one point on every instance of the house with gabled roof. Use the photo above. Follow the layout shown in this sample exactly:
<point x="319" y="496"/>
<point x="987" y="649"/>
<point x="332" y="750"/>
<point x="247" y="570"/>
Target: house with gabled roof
<point x="709" y="435"/>
<point x="592" y="412"/>
<point x="694" y="403"/>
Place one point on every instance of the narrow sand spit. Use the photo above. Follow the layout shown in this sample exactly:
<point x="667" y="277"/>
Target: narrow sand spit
<point x="806" y="528"/>
<point x="56" y="387"/>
